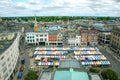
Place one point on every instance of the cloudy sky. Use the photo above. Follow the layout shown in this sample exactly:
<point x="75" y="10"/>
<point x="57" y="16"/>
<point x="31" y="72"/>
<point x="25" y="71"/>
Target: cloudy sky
<point x="60" y="7"/>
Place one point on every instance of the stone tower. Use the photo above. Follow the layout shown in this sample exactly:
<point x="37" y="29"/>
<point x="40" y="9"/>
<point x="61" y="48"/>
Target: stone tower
<point x="36" y="27"/>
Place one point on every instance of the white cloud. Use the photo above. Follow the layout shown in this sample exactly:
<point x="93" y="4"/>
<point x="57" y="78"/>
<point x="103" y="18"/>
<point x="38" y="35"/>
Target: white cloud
<point x="61" y="7"/>
<point x="34" y="1"/>
<point x="21" y="5"/>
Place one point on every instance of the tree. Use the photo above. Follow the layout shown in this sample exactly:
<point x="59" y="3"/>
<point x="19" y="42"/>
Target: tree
<point x="32" y="25"/>
<point x="94" y="70"/>
<point x="32" y="75"/>
<point x="109" y="74"/>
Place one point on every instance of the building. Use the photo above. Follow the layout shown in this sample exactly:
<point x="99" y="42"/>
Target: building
<point x="89" y="37"/>
<point x="74" y="41"/>
<point x="9" y="53"/>
<point x="36" y="27"/>
<point x="115" y="40"/>
<point x="104" y="34"/>
<point x="36" y="38"/>
<point x="44" y="38"/>
<point x="55" y="38"/>
<point x="71" y="75"/>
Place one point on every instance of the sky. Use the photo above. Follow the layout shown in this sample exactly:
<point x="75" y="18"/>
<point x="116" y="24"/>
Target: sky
<point x="12" y="8"/>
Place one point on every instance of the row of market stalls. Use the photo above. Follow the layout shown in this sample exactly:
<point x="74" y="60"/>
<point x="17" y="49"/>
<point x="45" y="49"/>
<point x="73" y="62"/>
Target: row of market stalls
<point x="48" y="63"/>
<point x="96" y="63"/>
<point x="50" y="52"/>
<point x="66" y="48"/>
<point x="38" y="57"/>
<point x="97" y="52"/>
<point x="91" y="58"/>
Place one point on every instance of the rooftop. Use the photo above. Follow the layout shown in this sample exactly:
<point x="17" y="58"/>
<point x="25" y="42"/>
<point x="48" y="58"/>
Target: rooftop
<point x="95" y="77"/>
<point x="103" y="29"/>
<point x="4" y="44"/>
<point x="116" y="29"/>
<point x="71" y="75"/>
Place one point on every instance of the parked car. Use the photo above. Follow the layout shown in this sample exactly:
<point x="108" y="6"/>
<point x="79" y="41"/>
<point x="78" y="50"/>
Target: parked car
<point x="20" y="74"/>
<point x="23" y="60"/>
<point x="22" y="68"/>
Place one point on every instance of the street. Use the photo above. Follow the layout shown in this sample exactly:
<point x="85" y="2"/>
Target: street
<point x="114" y="62"/>
<point x="23" y="53"/>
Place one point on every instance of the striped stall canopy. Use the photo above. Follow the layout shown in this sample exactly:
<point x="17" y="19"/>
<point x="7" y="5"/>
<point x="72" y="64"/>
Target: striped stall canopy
<point x="93" y="57"/>
<point x="48" y="63"/>
<point x="92" y="63"/>
<point x="38" y="57"/>
<point x="86" y="52"/>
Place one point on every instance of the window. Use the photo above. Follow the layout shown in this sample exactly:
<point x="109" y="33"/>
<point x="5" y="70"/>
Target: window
<point x="37" y="39"/>
<point x="11" y="49"/>
<point x="2" y="57"/>
<point x="6" y="75"/>
<point x="1" y="38"/>
<point x="41" y="39"/>
<point x="9" y="65"/>
<point x="82" y="39"/>
<point x="41" y="35"/>
<point x="4" y="69"/>
<point x="45" y="35"/>
<point x="36" y="35"/>
<point x="8" y="59"/>
<point x="10" y="70"/>
<point x="45" y="39"/>
<point x="3" y="64"/>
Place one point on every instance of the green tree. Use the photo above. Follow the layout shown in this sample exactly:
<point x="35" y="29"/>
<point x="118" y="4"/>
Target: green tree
<point x="109" y="74"/>
<point x="32" y="25"/>
<point x="32" y="75"/>
<point x="94" y="70"/>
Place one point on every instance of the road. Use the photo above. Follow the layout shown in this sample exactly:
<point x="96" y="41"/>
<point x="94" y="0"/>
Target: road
<point x="25" y="54"/>
<point x="114" y="62"/>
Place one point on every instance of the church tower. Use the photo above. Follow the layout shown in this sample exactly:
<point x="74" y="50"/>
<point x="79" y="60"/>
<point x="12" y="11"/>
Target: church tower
<point x="36" y="27"/>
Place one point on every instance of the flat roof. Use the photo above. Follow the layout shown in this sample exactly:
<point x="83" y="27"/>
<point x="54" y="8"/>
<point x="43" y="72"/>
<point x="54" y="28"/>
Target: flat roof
<point x="71" y="75"/>
<point x="95" y="77"/>
<point x="5" y="44"/>
<point x="69" y="64"/>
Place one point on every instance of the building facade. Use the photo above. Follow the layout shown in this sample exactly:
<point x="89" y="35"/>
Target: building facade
<point x="104" y="37"/>
<point x="104" y="34"/>
<point x="89" y="37"/>
<point x="36" y="38"/>
<point x="115" y="40"/>
<point x="55" y="38"/>
<point x="43" y="38"/>
<point x="9" y="53"/>
<point x="74" y="41"/>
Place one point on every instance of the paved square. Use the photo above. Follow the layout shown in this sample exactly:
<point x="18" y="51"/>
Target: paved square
<point x="69" y="64"/>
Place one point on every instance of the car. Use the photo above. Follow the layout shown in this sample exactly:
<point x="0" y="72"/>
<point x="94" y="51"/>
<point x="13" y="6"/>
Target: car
<point x="22" y="68"/>
<point x="20" y="74"/>
<point x="23" y="60"/>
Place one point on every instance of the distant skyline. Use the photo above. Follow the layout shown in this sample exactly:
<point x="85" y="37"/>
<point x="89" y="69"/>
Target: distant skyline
<point x="13" y="8"/>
